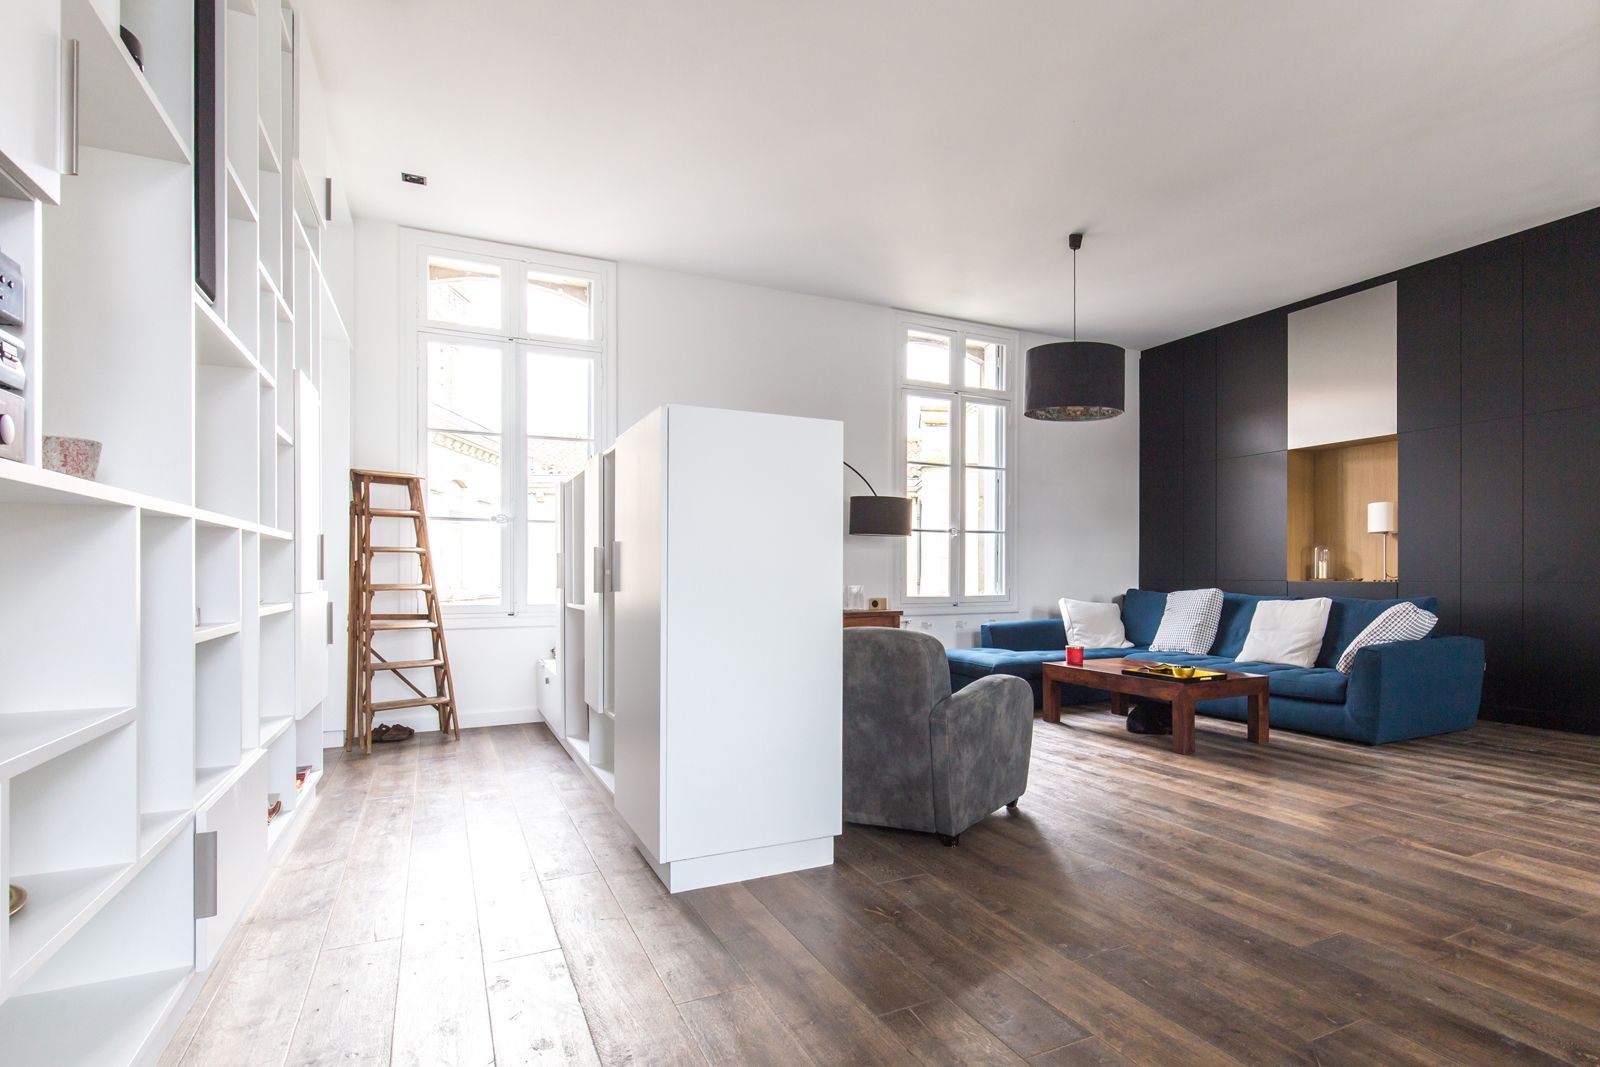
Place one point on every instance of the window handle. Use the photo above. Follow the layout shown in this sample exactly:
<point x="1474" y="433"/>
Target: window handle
<point x="502" y="519"/>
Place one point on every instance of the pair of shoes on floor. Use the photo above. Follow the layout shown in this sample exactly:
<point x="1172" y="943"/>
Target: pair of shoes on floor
<point x="385" y="732"/>
<point x="1150" y="719"/>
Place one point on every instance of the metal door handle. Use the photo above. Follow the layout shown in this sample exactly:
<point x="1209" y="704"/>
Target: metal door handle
<point x="73" y="81"/>
<point x="205" y="874"/>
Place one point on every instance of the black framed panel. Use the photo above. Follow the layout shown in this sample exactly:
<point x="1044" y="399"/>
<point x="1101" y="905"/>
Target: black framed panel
<point x="1430" y="505"/>
<point x="1161" y="528"/>
<point x="1448" y="595"/>
<point x="1253" y="517"/>
<point x="1200" y="398"/>
<point x="1200" y="525"/>
<point x="1491" y="501"/>
<point x="1561" y="496"/>
<point x="1161" y="407"/>
<point x="1561" y="640"/>
<point x="1491" y="330"/>
<point x="1428" y="346"/>
<point x="1492" y="611"/>
<point x="1253" y="386"/>
<point x="1561" y="314"/>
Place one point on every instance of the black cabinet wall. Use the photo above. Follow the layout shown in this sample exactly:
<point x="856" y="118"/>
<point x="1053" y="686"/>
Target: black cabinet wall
<point x="1499" y="412"/>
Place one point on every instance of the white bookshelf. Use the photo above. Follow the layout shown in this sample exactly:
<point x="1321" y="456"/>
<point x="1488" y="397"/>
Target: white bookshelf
<point x="161" y="677"/>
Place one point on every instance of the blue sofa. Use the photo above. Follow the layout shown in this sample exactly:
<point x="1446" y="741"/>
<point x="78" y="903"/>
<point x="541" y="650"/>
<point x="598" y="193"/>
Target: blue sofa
<point x="1393" y="692"/>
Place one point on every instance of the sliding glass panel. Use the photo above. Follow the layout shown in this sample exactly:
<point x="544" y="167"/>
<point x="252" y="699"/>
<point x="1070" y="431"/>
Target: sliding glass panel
<point x="928" y="564"/>
<point x="984" y="500"/>
<point x="984" y="557"/>
<point x="927" y="429"/>
<point x="465" y="387"/>
<point x="466" y="476"/>
<point x="467" y="560"/>
<point x="984" y="366"/>
<point x="559" y="307"/>
<point x="927" y="357"/>
<point x="463" y="293"/>
<point x="559" y="395"/>
<point x="985" y="434"/>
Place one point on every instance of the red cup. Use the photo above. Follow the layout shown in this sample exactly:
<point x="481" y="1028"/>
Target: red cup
<point x="1074" y="655"/>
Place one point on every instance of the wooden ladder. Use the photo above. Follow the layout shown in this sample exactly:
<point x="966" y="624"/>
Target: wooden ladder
<point x="365" y="661"/>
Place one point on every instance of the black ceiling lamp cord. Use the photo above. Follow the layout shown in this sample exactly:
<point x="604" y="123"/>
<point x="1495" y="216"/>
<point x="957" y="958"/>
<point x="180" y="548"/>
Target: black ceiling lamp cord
<point x="1075" y="381"/>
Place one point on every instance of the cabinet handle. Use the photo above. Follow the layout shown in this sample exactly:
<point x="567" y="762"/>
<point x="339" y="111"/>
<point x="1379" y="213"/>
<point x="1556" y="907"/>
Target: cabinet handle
<point x="330" y="621"/>
<point x="322" y="556"/>
<point x="205" y="874"/>
<point x="72" y="105"/>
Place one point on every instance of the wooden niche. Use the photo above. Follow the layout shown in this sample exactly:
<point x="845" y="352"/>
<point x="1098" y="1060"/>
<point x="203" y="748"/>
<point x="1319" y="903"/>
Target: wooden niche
<point x="1329" y="489"/>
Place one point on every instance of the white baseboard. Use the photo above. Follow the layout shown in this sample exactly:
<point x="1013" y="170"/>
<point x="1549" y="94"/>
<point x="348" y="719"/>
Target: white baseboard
<point x="425" y="720"/>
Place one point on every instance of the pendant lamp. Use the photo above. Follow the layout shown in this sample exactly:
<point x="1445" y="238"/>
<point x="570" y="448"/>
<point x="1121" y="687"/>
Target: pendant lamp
<point x="1075" y="381"/>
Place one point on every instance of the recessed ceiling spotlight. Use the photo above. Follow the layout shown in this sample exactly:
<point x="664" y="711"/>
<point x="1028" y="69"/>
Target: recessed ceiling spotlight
<point x="413" y="179"/>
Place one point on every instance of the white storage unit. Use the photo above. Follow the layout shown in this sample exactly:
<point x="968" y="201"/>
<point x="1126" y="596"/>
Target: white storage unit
<point x="726" y="737"/>
<point x="159" y="672"/>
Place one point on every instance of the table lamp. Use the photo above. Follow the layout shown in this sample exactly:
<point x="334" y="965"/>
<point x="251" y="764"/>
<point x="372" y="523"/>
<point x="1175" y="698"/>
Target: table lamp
<point x="1381" y="520"/>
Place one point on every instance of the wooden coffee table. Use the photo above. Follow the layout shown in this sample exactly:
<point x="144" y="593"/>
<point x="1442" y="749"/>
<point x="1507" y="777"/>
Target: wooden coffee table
<point x="1107" y="674"/>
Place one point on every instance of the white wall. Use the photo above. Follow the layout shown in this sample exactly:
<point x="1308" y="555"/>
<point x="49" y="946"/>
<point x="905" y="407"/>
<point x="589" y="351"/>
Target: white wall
<point x="688" y="339"/>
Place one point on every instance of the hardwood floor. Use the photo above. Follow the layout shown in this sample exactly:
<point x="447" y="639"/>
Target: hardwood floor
<point x="1304" y="902"/>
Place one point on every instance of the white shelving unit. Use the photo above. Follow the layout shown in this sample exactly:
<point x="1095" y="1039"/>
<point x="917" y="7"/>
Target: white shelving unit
<point x="160" y="672"/>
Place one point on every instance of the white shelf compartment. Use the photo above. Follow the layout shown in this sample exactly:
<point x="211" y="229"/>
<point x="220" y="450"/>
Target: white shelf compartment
<point x="219" y="711"/>
<point x="119" y="244"/>
<point x="72" y="831"/>
<point x="277" y="574"/>
<point x="219" y="576"/>
<point x="225" y="445"/>
<point x="167" y="636"/>
<point x="117" y="981"/>
<point x="118" y="109"/>
<point x="277" y="666"/>
<point x="267" y="457"/>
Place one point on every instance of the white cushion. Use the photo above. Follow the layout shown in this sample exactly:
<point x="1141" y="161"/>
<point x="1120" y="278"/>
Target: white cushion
<point x="1287" y="631"/>
<point x="1403" y="622"/>
<point x="1093" y="625"/>
<point x="1189" y="623"/>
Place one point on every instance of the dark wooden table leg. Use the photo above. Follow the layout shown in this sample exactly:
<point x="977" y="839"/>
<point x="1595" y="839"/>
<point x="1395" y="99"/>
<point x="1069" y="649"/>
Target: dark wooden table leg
<point x="1119" y="703"/>
<point x="1052" y="699"/>
<point x="1259" y="711"/>
<point x="1183" y="724"/>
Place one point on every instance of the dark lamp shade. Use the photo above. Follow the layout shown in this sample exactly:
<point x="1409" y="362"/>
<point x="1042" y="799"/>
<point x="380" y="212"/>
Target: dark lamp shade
<point x="1075" y="381"/>
<point x="882" y="516"/>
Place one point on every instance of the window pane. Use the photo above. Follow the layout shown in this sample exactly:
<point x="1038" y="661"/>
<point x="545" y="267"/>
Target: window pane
<point x="985" y="433"/>
<point x="551" y="461"/>
<point x="928" y="564"/>
<point x="927" y="429"/>
<point x="464" y="293"/>
<point x="929" y="490"/>
<point x="927" y="357"/>
<point x="985" y="565"/>
<point x="559" y="394"/>
<point x="464" y="475"/>
<point x="559" y="307"/>
<point x="464" y="387"/>
<point x="541" y="562"/>
<point x="984" y="501"/>
<point x="466" y="560"/>
<point x="985" y="365"/>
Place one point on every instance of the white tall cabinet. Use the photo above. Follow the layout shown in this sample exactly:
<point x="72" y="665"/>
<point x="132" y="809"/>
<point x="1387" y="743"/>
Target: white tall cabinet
<point x="166" y="663"/>
<point x="726" y="733"/>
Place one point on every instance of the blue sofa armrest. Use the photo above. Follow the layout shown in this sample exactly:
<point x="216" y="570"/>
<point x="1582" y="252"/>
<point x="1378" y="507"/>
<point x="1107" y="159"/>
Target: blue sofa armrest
<point x="1024" y="635"/>
<point x="1415" y="688"/>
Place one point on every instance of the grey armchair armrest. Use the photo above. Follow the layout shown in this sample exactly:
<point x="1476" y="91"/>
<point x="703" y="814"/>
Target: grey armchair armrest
<point x="982" y="743"/>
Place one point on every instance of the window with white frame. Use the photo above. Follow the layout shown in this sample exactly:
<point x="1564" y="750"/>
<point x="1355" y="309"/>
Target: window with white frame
<point x="513" y="354"/>
<point x="956" y="434"/>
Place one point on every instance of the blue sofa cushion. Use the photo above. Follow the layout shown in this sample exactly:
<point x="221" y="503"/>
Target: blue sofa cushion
<point x="1349" y="616"/>
<point x="978" y="662"/>
<point x="1141" y="615"/>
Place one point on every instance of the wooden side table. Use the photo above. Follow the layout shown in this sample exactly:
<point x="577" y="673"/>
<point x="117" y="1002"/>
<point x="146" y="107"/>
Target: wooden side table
<point x="883" y="617"/>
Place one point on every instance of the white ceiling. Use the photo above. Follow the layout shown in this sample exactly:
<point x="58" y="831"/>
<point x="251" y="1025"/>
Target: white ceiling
<point x="1224" y="157"/>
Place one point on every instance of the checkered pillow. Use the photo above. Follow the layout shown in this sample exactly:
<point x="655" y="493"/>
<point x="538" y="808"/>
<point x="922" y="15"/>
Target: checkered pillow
<point x="1403" y="622"/>
<point x="1190" y="622"/>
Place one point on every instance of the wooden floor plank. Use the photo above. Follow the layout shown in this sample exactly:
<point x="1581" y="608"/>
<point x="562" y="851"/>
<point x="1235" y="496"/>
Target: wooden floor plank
<point x="536" y="1014"/>
<point x="349" y="1009"/>
<point x="738" y="1028"/>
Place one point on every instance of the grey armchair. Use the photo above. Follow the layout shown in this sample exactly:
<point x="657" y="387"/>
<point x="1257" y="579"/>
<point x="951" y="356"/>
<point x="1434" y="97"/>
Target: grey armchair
<point x="917" y="757"/>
